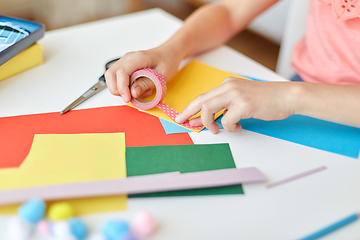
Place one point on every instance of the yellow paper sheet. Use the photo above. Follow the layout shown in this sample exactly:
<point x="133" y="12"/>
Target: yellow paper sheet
<point x="28" y="58"/>
<point x="194" y="79"/>
<point x="69" y="158"/>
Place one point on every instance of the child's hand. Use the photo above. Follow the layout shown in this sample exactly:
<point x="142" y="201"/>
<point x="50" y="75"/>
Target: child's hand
<point x="241" y="99"/>
<point x="117" y="76"/>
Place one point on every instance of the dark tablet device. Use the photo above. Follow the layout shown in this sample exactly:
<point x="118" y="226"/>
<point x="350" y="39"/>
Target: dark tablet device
<point x="16" y="35"/>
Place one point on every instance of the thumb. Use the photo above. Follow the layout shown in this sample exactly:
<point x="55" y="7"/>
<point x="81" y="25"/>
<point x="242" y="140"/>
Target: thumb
<point x="141" y="85"/>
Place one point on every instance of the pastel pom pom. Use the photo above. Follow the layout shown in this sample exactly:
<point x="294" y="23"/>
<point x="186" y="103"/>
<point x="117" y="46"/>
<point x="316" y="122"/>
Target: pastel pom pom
<point x="19" y="229"/>
<point x="116" y="230"/>
<point x="43" y="227"/>
<point x="60" y="211"/>
<point x="143" y="225"/>
<point x="96" y="236"/>
<point x="60" y="230"/>
<point x="32" y="211"/>
<point x="78" y="228"/>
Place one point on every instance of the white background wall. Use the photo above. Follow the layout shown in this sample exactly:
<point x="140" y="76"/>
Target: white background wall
<point x="271" y="23"/>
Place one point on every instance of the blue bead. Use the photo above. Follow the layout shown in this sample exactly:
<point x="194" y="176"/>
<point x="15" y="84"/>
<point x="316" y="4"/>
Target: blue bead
<point x="78" y="228"/>
<point x="32" y="211"/>
<point x="116" y="230"/>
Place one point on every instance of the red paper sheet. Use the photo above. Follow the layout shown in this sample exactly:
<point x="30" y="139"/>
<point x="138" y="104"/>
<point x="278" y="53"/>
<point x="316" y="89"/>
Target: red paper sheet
<point x="141" y="129"/>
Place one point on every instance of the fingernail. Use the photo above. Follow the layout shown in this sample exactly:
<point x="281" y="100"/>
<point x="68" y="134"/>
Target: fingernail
<point x="124" y="98"/>
<point x="137" y="90"/>
<point x="177" y="118"/>
<point x="193" y="121"/>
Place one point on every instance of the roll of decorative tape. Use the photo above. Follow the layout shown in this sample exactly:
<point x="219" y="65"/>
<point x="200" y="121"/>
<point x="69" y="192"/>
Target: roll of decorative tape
<point x="160" y="87"/>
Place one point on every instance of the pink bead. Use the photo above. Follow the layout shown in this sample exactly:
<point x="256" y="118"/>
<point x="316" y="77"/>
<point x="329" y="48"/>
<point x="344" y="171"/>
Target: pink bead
<point x="143" y="225"/>
<point x="44" y="227"/>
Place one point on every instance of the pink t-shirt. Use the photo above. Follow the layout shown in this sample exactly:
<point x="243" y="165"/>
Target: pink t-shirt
<point x="330" y="50"/>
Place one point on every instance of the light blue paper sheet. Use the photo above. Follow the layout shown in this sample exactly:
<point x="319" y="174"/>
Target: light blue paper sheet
<point x="308" y="131"/>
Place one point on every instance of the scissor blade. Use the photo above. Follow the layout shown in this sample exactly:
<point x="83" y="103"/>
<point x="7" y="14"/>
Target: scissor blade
<point x="100" y="85"/>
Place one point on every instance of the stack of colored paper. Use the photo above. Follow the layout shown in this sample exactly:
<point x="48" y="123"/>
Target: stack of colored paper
<point x="78" y="158"/>
<point x="25" y="60"/>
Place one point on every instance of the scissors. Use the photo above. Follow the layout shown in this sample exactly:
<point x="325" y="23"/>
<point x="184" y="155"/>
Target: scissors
<point x="100" y="85"/>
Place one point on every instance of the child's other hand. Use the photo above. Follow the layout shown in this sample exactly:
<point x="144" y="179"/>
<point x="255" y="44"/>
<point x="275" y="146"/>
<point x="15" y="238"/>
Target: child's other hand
<point x="242" y="99"/>
<point x="117" y="76"/>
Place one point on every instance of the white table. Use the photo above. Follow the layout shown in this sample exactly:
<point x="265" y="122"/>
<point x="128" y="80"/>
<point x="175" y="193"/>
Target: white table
<point x="74" y="59"/>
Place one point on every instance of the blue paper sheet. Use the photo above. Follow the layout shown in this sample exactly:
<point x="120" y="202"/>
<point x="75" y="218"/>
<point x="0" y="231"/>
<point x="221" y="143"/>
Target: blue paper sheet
<point x="171" y="128"/>
<point x="308" y="131"/>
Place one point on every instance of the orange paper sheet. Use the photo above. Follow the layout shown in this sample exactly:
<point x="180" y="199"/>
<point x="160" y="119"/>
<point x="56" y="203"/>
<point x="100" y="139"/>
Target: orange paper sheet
<point x="194" y="79"/>
<point x="68" y="158"/>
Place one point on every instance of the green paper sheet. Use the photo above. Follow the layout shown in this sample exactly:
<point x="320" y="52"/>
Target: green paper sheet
<point x="183" y="158"/>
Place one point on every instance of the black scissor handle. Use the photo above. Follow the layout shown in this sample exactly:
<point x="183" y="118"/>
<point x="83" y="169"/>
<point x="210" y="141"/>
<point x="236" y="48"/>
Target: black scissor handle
<point x="107" y="66"/>
<point x="110" y="63"/>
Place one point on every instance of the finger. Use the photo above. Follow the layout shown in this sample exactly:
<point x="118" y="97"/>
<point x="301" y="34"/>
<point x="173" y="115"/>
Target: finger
<point x="123" y="73"/>
<point x="209" y="109"/>
<point x="213" y="126"/>
<point x="227" y="122"/>
<point x="196" y="122"/>
<point x="110" y="77"/>
<point x="195" y="106"/>
<point x="117" y="80"/>
<point x="121" y="70"/>
<point x="141" y="85"/>
<point x="146" y="93"/>
<point x="230" y="119"/>
<point x="229" y="79"/>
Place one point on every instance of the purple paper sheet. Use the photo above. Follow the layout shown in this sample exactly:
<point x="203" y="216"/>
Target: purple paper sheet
<point x="136" y="185"/>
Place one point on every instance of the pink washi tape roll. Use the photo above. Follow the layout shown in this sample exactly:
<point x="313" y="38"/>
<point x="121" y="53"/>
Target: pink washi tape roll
<point x="160" y="86"/>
